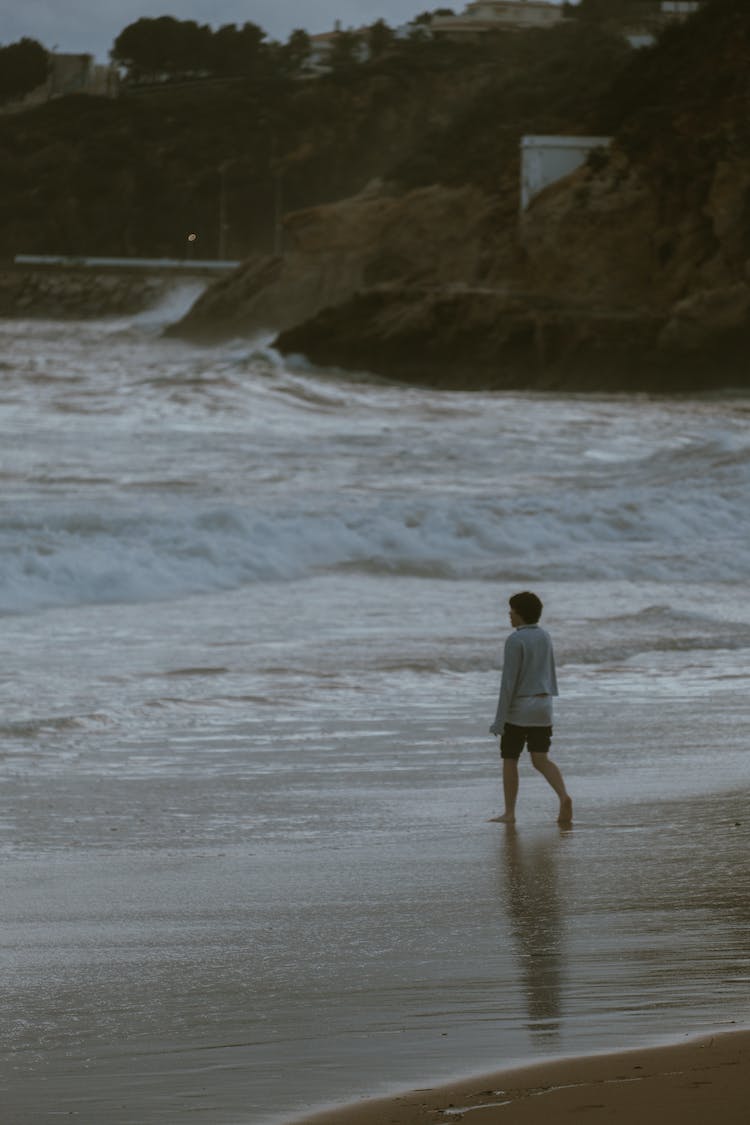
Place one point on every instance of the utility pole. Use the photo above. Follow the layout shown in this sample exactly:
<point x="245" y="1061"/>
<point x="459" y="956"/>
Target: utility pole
<point x="223" y="224"/>
<point x="277" y="173"/>
<point x="278" y="211"/>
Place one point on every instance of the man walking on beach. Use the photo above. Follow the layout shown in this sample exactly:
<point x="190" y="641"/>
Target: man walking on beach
<point x="524" y="709"/>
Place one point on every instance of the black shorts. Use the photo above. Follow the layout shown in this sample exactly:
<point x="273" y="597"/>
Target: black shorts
<point x="515" y="738"/>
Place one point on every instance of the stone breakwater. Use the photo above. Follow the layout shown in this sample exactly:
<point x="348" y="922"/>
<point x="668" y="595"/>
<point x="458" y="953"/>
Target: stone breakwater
<point x="76" y="294"/>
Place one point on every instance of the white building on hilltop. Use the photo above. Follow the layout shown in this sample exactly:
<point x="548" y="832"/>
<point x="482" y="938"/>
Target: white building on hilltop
<point x="498" y="15"/>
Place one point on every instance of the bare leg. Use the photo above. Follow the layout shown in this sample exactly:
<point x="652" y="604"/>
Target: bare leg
<point x="551" y="773"/>
<point x="510" y="791"/>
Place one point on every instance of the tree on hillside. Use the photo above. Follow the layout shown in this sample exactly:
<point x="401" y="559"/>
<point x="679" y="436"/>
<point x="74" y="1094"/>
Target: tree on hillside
<point x="192" y="47"/>
<point x="547" y="81"/>
<point x="293" y="55"/>
<point x="150" y="48"/>
<point x="346" y="52"/>
<point x="380" y="39"/>
<point x="23" y="66"/>
<point x="237" y="51"/>
<point x="427" y="17"/>
<point x="153" y="48"/>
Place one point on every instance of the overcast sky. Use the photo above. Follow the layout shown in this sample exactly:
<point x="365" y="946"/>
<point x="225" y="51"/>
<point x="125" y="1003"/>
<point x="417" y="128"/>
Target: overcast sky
<point x="92" y="25"/>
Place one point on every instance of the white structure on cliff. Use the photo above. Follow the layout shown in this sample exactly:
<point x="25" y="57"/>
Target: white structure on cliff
<point x="498" y="15"/>
<point x="547" y="159"/>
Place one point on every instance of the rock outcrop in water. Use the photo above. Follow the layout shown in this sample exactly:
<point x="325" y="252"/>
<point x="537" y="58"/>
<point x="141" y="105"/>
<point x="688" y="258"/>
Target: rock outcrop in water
<point x="468" y="338"/>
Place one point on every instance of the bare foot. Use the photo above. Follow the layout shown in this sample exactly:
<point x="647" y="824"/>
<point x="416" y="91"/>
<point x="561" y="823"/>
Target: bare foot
<point x="506" y="818"/>
<point x="566" y="812"/>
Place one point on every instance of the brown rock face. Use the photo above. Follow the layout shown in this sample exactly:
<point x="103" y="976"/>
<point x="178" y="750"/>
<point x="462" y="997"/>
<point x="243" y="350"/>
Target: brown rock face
<point x="592" y="237"/>
<point x="706" y="318"/>
<point x="465" y="338"/>
<point x="335" y="251"/>
<point x="598" y="286"/>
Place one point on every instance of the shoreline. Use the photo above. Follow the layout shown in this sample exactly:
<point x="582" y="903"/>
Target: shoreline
<point x="695" y="1082"/>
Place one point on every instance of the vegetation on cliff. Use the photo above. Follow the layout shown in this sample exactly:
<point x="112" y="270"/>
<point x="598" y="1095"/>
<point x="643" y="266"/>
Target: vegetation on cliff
<point x="538" y="82"/>
<point x="168" y="49"/>
<point x="641" y="258"/>
<point x="135" y="176"/>
<point x="633" y="273"/>
<point x="680" y="107"/>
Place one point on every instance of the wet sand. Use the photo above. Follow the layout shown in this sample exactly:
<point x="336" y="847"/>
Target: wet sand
<point x="241" y="918"/>
<point x="696" y="1082"/>
<point x="259" y="980"/>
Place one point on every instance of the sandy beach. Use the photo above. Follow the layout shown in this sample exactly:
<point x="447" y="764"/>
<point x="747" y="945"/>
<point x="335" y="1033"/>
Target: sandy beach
<point x="696" y="1082"/>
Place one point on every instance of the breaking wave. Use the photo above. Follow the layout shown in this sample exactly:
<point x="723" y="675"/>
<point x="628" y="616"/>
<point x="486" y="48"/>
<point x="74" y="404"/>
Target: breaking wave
<point x="75" y="555"/>
<point x="138" y="470"/>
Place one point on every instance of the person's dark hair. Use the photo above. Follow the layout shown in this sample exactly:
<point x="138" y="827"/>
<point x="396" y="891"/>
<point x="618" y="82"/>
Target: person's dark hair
<point x="527" y="605"/>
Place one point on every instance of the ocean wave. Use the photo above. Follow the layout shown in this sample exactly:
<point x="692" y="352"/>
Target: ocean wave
<point x="69" y="555"/>
<point x="171" y="307"/>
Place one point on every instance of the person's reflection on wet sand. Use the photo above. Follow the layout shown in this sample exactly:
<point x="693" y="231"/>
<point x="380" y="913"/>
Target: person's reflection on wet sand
<point x="534" y="907"/>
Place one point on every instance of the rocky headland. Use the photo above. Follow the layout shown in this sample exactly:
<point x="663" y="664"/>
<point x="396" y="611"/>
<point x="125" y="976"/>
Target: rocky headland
<point x="592" y="288"/>
<point x="633" y="273"/>
<point x="430" y="236"/>
<point x="404" y="250"/>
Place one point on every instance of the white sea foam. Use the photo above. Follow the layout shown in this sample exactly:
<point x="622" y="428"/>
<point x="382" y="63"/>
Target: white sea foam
<point x="172" y="306"/>
<point x="157" y="470"/>
<point x="79" y="553"/>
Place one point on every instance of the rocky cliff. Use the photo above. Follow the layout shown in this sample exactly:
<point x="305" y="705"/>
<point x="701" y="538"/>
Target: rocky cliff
<point x="593" y="287"/>
<point x="433" y="235"/>
<point x="631" y="273"/>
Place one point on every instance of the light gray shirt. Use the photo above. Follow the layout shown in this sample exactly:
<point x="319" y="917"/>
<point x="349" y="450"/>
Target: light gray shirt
<point x="529" y="680"/>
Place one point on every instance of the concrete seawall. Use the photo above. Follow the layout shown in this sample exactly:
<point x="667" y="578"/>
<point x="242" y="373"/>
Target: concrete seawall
<point x="51" y="290"/>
